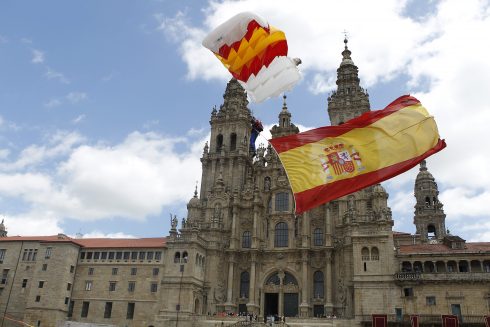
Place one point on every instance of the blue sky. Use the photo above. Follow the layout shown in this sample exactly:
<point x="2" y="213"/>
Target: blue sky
<point x="105" y="105"/>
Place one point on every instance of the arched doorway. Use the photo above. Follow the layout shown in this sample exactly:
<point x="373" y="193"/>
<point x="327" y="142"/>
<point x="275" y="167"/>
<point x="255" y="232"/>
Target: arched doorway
<point x="281" y="295"/>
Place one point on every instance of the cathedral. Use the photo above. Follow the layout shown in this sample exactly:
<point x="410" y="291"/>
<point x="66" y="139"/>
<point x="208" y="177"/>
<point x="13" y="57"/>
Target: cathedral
<point x="243" y="250"/>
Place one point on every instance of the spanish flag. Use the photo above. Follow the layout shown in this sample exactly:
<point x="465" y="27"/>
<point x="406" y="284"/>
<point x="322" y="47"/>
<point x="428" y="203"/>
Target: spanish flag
<point x="326" y="163"/>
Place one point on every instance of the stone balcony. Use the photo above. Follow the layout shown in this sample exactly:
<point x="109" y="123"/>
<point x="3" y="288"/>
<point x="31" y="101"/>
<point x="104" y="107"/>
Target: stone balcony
<point x="442" y="276"/>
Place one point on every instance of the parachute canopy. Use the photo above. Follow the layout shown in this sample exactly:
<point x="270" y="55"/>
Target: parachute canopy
<point x="255" y="53"/>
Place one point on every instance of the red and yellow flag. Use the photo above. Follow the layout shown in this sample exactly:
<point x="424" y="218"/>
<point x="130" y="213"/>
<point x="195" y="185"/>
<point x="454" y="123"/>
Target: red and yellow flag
<point x="329" y="162"/>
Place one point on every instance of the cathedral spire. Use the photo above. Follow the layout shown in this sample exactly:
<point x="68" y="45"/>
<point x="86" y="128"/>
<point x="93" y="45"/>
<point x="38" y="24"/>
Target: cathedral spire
<point x="350" y="99"/>
<point x="429" y="218"/>
<point x="285" y="126"/>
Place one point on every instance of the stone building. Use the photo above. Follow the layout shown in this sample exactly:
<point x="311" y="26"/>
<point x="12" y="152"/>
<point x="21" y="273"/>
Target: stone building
<point x="242" y="249"/>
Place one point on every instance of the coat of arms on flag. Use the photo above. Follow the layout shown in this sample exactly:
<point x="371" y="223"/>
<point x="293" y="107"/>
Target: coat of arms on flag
<point x="338" y="160"/>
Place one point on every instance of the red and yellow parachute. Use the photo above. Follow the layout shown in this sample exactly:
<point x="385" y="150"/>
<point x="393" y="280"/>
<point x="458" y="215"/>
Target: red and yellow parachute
<point x="255" y="53"/>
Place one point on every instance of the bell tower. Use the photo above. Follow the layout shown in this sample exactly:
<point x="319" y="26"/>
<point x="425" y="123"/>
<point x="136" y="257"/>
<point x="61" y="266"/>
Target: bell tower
<point x="429" y="218"/>
<point x="226" y="158"/>
<point x="350" y="99"/>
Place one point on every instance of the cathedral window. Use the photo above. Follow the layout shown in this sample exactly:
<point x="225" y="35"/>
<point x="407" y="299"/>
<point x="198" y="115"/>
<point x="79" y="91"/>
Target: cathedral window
<point x="244" y="284"/>
<point x="177" y="257"/>
<point x="430" y="300"/>
<point x="431" y="232"/>
<point x="318" y="237"/>
<point x="232" y="142"/>
<point x="365" y="254"/>
<point x="246" y="239"/>
<point x="427" y="201"/>
<point x="374" y="253"/>
<point x="289" y="279"/>
<point x="281" y="235"/>
<point x="282" y="201"/>
<point x="219" y="142"/>
<point x="318" y="288"/>
<point x="185" y="257"/>
<point x="273" y="280"/>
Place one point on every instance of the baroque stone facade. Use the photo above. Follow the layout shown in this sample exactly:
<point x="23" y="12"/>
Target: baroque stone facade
<point x="242" y="249"/>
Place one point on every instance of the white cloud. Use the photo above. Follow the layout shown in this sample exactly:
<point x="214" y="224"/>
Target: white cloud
<point x="52" y="74"/>
<point x="37" y="56"/>
<point x="75" y="97"/>
<point x="72" y="98"/>
<point x="52" y="103"/>
<point x="68" y="178"/>
<point x="78" y="119"/>
<point x="99" y="234"/>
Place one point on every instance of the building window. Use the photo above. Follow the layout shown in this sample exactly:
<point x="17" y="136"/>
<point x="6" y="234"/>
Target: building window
<point x="318" y="287"/>
<point x="149" y="255"/>
<point x="2" y="255"/>
<point x="45" y="267"/>
<point x="130" y="310"/>
<point x="133" y="271"/>
<point x="41" y="284"/>
<point x="70" y="309"/>
<point x="281" y="235"/>
<point x="67" y="299"/>
<point x="118" y="255"/>
<point x="82" y="255"/>
<point x="158" y="255"/>
<point x="103" y="255"/>
<point x="85" y="306"/>
<point x="374" y="253"/>
<point x="126" y="255"/>
<point x="282" y="201"/>
<point x="246" y="239"/>
<point x="153" y="287"/>
<point x="96" y="255"/>
<point x="24" y="283"/>
<point x="114" y="271"/>
<point x="112" y="286"/>
<point x="408" y="292"/>
<point x="68" y="286"/>
<point x="111" y="256"/>
<point x="156" y="271"/>
<point x="365" y="254"/>
<point x="131" y="286"/>
<point x="47" y="255"/>
<point x="72" y="269"/>
<point x="318" y="237"/>
<point x="244" y="284"/>
<point x="38" y="298"/>
<point x="430" y="300"/>
<point x="185" y="257"/>
<point x="142" y="255"/>
<point x="219" y="142"/>
<point x="232" y="142"/>
<point x="88" y="285"/>
<point x="273" y="280"/>
<point x="134" y="255"/>
<point x="89" y="255"/>
<point x="108" y="310"/>
<point x="177" y="257"/>
<point x="91" y="270"/>
<point x="5" y="274"/>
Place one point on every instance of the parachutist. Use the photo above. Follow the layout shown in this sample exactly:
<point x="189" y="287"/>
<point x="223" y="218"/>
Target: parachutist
<point x="297" y="61"/>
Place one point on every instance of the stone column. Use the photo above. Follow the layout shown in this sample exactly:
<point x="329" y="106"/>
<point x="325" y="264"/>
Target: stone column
<point x="251" y="305"/>
<point x="255" y="233"/>
<point x="229" y="305"/>
<point x="328" y="285"/>
<point x="304" y="306"/>
<point x="234" y="237"/>
<point x="281" y="300"/>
